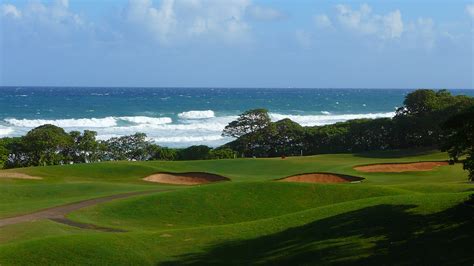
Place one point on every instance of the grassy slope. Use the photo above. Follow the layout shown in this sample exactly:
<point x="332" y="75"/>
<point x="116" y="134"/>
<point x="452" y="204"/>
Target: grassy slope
<point x="395" y="229"/>
<point x="386" y="218"/>
<point x="221" y="204"/>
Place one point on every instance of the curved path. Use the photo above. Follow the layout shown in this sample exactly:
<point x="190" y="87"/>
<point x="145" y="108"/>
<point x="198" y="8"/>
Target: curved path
<point x="58" y="214"/>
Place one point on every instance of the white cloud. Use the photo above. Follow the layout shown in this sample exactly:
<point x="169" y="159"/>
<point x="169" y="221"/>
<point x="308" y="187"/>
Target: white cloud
<point x="8" y="10"/>
<point x="159" y="21"/>
<point x="425" y="28"/>
<point x="264" y="13"/>
<point x="40" y="19"/>
<point x="56" y="14"/>
<point x="322" y="21"/>
<point x="393" y="24"/>
<point x="358" y="20"/>
<point x="470" y="10"/>
<point x="363" y="21"/>
<point x="222" y="19"/>
<point x="179" y="20"/>
<point x="63" y="3"/>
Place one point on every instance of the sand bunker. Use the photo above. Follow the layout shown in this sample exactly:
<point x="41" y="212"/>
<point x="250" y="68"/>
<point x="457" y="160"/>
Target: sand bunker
<point x="17" y="175"/>
<point x="185" y="178"/>
<point x="321" y="178"/>
<point x="399" y="167"/>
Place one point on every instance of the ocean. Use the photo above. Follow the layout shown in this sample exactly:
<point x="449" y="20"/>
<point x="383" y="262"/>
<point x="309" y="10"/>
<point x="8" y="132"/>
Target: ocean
<point x="180" y="117"/>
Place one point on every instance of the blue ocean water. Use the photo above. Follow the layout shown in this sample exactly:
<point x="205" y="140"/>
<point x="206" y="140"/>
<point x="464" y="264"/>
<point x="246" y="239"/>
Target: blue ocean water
<point x="180" y="117"/>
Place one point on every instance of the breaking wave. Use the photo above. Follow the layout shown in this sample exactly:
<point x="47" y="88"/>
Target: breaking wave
<point x="192" y="128"/>
<point x="326" y="119"/>
<point x="197" y="114"/>
<point x="66" y="123"/>
<point x="89" y="122"/>
<point x="5" y="131"/>
<point x="146" y="120"/>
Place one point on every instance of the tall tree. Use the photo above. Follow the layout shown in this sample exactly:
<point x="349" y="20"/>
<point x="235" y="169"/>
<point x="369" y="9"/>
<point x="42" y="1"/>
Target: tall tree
<point x="3" y="152"/>
<point x="287" y="139"/>
<point x="247" y="122"/>
<point x="418" y="122"/>
<point x="460" y="139"/>
<point x="46" y="145"/>
<point x="85" y="147"/>
<point x="16" y="153"/>
<point x="197" y="152"/>
<point x="249" y="126"/>
<point x="133" y="147"/>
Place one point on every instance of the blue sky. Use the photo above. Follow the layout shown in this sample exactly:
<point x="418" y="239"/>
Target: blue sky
<point x="238" y="43"/>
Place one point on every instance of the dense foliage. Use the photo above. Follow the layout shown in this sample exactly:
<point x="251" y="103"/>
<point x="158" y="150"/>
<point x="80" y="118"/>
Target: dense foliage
<point x="51" y="145"/>
<point x="250" y="127"/>
<point x="460" y="139"/>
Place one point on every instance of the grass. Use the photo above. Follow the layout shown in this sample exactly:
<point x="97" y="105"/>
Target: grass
<point x="18" y="198"/>
<point x="398" y="218"/>
<point x="221" y="204"/>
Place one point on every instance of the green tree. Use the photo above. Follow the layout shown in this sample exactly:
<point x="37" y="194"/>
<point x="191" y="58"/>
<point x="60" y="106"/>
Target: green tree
<point x="46" y="144"/>
<point x="249" y="127"/>
<point x="287" y="138"/>
<point x="162" y="153"/>
<point x="133" y="147"/>
<point x="85" y="147"/>
<point x="418" y="122"/>
<point x="247" y="122"/>
<point x="4" y="152"/>
<point x="460" y="138"/>
<point x="221" y="153"/>
<point x="198" y="152"/>
<point x="14" y="153"/>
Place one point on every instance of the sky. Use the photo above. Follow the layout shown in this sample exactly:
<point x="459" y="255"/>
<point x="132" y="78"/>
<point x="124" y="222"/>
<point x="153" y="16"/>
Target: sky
<point x="238" y="43"/>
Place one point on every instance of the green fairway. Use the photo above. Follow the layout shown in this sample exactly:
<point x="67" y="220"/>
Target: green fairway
<point x="388" y="218"/>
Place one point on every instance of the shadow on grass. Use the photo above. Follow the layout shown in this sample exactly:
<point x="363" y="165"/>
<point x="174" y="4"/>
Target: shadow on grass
<point x="379" y="235"/>
<point x="395" y="153"/>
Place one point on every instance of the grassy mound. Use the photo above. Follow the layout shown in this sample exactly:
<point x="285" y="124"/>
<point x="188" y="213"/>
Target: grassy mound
<point x="220" y="204"/>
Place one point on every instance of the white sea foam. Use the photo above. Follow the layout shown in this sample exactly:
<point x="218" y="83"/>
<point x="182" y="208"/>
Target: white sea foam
<point x="197" y="114"/>
<point x="319" y="120"/>
<point x="204" y="128"/>
<point x="146" y="120"/>
<point x="5" y="131"/>
<point x="88" y="122"/>
<point x="193" y="139"/>
<point x="66" y="123"/>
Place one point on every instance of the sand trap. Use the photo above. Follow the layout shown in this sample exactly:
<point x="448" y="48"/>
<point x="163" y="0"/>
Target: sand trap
<point x="17" y="175"/>
<point x="195" y="178"/>
<point x="321" y="178"/>
<point x="399" y="167"/>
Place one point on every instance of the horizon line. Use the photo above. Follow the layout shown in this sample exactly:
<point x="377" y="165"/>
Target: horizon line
<point x="230" y="87"/>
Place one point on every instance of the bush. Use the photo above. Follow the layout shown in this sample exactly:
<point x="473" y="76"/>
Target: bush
<point x="224" y="153"/>
<point x="164" y="154"/>
<point x="200" y="152"/>
<point x="468" y="165"/>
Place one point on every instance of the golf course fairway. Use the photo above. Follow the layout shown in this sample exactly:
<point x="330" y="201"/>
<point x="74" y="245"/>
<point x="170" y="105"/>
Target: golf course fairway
<point x="107" y="214"/>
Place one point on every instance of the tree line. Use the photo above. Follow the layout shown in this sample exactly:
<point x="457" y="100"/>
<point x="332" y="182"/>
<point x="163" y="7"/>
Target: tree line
<point x="51" y="145"/>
